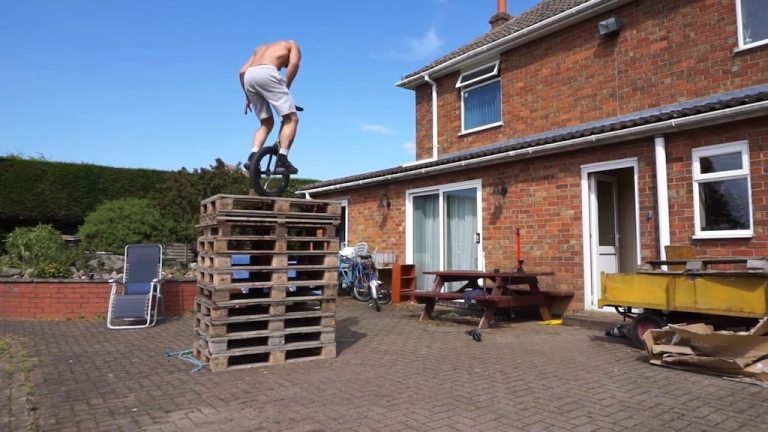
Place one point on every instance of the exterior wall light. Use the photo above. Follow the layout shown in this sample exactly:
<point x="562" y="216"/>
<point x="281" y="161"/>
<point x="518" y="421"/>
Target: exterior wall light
<point x="384" y="202"/>
<point x="500" y="188"/>
<point x="609" y="26"/>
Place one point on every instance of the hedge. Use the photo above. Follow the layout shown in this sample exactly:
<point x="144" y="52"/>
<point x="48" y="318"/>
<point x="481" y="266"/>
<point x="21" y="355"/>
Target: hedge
<point x="62" y="194"/>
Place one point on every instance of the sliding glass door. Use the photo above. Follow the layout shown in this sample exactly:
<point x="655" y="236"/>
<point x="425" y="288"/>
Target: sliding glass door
<point x="426" y="236"/>
<point x="444" y="230"/>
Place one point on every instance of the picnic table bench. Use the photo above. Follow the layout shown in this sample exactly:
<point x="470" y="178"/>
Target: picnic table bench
<point x="509" y="289"/>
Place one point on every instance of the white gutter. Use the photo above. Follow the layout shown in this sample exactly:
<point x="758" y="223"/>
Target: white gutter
<point x="434" y="115"/>
<point x="536" y="31"/>
<point x="661" y="193"/>
<point x="706" y="119"/>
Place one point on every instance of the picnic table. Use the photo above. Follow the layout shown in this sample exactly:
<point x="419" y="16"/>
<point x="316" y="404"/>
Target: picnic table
<point x="507" y="289"/>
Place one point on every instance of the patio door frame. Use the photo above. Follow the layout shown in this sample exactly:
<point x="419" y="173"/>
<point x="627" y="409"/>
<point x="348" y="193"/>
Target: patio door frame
<point x="440" y="190"/>
<point x="592" y="288"/>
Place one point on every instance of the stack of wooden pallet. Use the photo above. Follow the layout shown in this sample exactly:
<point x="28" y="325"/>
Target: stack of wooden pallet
<point x="267" y="277"/>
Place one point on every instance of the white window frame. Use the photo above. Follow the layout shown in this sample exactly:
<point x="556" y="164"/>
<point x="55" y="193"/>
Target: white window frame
<point x="440" y="190"/>
<point x="740" y="30"/>
<point x="698" y="178"/>
<point x="493" y="73"/>
<point x="482" y="80"/>
<point x="344" y="203"/>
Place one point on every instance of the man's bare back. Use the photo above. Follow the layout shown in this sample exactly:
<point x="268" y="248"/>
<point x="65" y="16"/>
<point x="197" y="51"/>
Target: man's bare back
<point x="280" y="54"/>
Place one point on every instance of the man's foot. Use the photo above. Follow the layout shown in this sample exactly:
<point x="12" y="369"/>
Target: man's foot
<point x="251" y="157"/>
<point x="283" y="166"/>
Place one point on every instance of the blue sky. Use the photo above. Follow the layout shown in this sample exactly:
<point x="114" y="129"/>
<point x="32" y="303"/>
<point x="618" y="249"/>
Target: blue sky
<point x="154" y="84"/>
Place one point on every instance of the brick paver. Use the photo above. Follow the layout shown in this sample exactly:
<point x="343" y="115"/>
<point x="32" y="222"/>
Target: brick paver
<point x="392" y="373"/>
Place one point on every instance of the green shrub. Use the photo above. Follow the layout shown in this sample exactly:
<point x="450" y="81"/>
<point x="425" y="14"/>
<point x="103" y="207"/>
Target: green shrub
<point x="53" y="271"/>
<point x="115" y="224"/>
<point x="33" y="247"/>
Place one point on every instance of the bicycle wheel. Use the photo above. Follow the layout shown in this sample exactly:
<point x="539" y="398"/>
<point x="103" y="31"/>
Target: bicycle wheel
<point x="385" y="295"/>
<point x="262" y="172"/>
<point x="360" y="290"/>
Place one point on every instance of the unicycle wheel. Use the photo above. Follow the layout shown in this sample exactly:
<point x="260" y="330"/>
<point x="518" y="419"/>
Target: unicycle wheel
<point x="264" y="180"/>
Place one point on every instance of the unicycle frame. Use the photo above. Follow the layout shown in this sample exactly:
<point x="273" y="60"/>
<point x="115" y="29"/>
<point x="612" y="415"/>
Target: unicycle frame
<point x="264" y="180"/>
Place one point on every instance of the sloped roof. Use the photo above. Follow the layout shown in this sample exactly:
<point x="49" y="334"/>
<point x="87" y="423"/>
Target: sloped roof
<point x="542" y="11"/>
<point x="710" y="104"/>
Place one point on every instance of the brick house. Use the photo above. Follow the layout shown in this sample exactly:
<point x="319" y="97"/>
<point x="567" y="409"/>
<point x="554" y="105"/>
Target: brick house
<point x="602" y="129"/>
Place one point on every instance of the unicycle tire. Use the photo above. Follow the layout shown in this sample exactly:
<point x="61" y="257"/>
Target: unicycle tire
<point x="262" y="172"/>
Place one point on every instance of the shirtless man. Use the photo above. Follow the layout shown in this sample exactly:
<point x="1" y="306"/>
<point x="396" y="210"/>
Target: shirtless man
<point x="264" y="87"/>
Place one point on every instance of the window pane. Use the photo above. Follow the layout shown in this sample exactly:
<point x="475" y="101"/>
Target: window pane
<point x="482" y="72"/>
<point x="754" y="20"/>
<point x="724" y="205"/>
<point x="606" y="229"/>
<point x="460" y="228"/>
<point x="426" y="238"/>
<point x="720" y="163"/>
<point x="482" y="105"/>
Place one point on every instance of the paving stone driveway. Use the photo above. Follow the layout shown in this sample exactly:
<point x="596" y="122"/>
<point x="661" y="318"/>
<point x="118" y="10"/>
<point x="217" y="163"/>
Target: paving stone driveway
<point x="392" y="373"/>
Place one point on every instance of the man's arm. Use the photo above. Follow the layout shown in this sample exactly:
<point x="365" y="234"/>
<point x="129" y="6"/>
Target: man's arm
<point x="294" y="58"/>
<point x="242" y="83"/>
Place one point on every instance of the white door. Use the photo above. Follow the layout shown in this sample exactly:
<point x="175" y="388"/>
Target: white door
<point x="604" y="233"/>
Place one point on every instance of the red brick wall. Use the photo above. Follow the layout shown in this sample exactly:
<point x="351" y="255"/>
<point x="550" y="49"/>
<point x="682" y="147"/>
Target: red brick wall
<point x="544" y="201"/>
<point x="667" y="51"/>
<point x="79" y="299"/>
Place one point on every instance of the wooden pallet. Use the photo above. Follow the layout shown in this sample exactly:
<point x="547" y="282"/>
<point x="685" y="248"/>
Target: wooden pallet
<point x="258" y="260"/>
<point x="267" y="340"/>
<point x="274" y="308"/>
<point x="233" y="296"/>
<point x="269" y="230"/>
<point x="292" y="353"/>
<point x="251" y="245"/>
<point x="315" y="275"/>
<point x="311" y="320"/>
<point x="245" y="208"/>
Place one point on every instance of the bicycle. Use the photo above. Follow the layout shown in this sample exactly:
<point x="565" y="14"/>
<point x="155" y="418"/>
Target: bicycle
<point x="349" y="271"/>
<point x="264" y="180"/>
<point x="371" y="289"/>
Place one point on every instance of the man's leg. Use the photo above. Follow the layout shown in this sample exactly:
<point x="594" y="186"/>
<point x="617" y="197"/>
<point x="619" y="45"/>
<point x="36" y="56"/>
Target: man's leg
<point x="259" y="137"/>
<point x="288" y="131"/>
<point x="261" y="134"/>
<point x="287" y="134"/>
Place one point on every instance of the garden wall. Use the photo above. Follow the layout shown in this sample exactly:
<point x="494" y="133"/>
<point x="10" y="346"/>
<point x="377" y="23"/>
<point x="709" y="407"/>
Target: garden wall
<point x="67" y="299"/>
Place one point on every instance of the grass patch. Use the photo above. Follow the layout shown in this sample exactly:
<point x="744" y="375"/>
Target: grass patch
<point x="16" y="388"/>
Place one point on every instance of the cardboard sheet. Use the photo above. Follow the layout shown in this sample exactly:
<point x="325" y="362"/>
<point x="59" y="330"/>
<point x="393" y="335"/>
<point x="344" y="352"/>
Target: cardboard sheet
<point x="699" y="348"/>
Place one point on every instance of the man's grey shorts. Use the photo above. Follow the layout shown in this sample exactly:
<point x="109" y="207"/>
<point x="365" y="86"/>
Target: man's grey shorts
<point x="265" y="86"/>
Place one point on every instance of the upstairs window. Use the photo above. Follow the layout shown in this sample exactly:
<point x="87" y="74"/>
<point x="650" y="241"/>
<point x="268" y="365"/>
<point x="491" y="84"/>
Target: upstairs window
<point x="722" y="196"/>
<point x="752" y="16"/>
<point x="480" y="97"/>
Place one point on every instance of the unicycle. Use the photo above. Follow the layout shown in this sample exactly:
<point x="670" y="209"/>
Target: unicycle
<point x="264" y="180"/>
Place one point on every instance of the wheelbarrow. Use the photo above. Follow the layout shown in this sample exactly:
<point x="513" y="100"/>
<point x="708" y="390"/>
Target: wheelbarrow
<point x="723" y="292"/>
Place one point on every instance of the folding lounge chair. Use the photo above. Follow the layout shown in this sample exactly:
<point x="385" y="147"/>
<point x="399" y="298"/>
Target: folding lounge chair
<point x="134" y="305"/>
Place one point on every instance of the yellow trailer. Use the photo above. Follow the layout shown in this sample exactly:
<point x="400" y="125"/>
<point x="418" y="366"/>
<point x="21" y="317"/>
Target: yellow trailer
<point x="707" y="289"/>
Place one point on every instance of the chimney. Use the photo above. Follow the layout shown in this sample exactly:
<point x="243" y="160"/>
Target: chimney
<point x="501" y="16"/>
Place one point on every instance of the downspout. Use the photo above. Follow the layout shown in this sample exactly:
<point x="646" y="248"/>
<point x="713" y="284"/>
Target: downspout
<point x="434" y="115"/>
<point x="661" y="193"/>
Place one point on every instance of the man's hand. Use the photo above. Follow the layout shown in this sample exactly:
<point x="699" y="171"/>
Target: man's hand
<point x="247" y="106"/>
